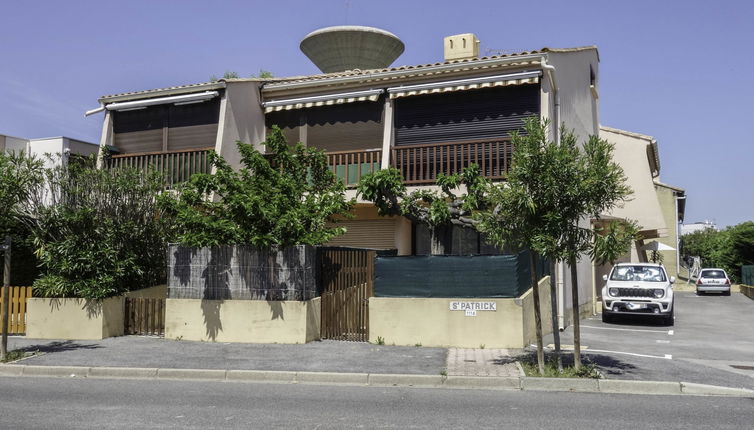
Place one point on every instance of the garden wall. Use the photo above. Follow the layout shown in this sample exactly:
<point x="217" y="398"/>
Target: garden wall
<point x="435" y="322"/>
<point x="251" y="321"/>
<point x="74" y="318"/>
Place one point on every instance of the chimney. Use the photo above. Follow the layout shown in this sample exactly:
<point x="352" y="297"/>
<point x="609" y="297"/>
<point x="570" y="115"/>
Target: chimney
<point x="461" y="47"/>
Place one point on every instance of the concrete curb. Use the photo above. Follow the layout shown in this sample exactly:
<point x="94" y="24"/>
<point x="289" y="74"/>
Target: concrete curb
<point x="524" y="383"/>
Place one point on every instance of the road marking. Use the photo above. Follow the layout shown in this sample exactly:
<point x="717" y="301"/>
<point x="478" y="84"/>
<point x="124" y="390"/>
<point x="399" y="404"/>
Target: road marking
<point x="662" y="341"/>
<point x="665" y="357"/>
<point x="670" y="332"/>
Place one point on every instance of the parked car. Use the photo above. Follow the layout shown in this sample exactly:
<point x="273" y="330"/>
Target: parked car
<point x="638" y="289"/>
<point x="713" y="281"/>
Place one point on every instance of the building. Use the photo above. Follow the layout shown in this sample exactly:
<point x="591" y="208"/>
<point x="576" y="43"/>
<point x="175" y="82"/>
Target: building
<point x="61" y="146"/>
<point x="698" y="226"/>
<point x="657" y="208"/>
<point x="423" y="120"/>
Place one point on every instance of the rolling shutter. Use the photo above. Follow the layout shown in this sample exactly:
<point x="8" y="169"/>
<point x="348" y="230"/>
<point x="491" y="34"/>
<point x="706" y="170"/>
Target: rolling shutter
<point x="378" y="234"/>
<point x="489" y="113"/>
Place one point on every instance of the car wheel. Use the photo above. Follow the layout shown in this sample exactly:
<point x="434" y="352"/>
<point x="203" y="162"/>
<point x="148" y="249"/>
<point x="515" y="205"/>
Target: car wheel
<point x="698" y="293"/>
<point x="726" y="293"/>
<point x="606" y="318"/>
<point x="670" y="319"/>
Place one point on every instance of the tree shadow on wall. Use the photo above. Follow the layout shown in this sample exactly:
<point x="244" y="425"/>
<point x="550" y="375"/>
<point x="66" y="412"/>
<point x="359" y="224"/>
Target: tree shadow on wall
<point x="216" y="290"/>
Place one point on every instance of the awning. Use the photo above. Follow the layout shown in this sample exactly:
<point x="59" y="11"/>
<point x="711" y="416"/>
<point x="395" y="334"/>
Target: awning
<point x="465" y="84"/>
<point x="323" y="100"/>
<point x="178" y="100"/>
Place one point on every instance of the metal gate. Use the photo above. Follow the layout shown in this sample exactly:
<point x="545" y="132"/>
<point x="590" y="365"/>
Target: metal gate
<point x="346" y="277"/>
<point x="145" y="316"/>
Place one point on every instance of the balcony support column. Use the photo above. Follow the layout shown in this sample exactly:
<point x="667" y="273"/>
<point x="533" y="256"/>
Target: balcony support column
<point x="387" y="133"/>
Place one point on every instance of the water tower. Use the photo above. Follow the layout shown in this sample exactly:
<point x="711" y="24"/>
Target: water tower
<point x="348" y="47"/>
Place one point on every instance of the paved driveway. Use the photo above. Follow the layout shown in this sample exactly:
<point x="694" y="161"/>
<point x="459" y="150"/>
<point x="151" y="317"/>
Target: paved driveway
<point x="712" y="342"/>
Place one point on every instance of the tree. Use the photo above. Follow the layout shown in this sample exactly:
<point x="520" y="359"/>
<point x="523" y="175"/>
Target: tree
<point x="728" y="249"/>
<point x="526" y="210"/>
<point x="439" y="211"/>
<point x="96" y="233"/>
<point x="229" y="74"/>
<point x="613" y="240"/>
<point x="288" y="196"/>
<point x="18" y="175"/>
<point x="599" y="185"/>
<point x="552" y="187"/>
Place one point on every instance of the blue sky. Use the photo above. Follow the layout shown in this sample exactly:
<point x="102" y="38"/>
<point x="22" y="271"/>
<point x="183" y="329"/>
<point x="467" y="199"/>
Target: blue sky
<point x="677" y="70"/>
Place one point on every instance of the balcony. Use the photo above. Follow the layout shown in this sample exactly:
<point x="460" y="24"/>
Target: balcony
<point x="350" y="166"/>
<point x="176" y="166"/>
<point x="420" y="164"/>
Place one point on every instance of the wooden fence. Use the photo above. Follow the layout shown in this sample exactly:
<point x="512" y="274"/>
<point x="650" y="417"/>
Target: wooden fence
<point x="420" y="164"/>
<point x="145" y="316"/>
<point x="17" y="309"/>
<point x="176" y="166"/>
<point x="347" y="281"/>
<point x="350" y="166"/>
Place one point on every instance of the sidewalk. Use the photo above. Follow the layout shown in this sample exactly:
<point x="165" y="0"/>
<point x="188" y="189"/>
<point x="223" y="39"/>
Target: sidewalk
<point x="325" y="362"/>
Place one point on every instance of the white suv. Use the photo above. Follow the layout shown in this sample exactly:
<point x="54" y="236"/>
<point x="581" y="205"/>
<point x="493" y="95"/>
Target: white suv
<point x="638" y="289"/>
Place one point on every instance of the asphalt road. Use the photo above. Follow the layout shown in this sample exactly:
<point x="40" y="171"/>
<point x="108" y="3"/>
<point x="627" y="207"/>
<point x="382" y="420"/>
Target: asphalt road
<point x="43" y="403"/>
<point x="711" y="335"/>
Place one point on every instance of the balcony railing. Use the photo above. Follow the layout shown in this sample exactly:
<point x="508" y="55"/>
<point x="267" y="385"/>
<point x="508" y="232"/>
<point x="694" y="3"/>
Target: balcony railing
<point x="350" y="166"/>
<point x="420" y="164"/>
<point x="176" y="166"/>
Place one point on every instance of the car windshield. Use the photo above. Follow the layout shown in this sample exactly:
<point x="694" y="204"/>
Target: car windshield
<point x="715" y="274"/>
<point x="638" y="273"/>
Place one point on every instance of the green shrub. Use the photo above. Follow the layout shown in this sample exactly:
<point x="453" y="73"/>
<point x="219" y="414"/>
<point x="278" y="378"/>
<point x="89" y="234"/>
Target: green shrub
<point x="97" y="233"/>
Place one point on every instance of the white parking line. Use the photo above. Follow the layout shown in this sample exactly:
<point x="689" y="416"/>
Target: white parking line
<point x="665" y="357"/>
<point x="669" y="332"/>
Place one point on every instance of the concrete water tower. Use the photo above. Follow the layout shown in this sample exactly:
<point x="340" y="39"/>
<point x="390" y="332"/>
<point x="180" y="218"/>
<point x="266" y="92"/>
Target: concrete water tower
<point x="348" y="47"/>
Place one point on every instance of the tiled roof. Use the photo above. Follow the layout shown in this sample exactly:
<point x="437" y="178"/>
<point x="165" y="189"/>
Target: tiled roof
<point x="347" y="73"/>
<point x="159" y="90"/>
<point x="627" y="133"/>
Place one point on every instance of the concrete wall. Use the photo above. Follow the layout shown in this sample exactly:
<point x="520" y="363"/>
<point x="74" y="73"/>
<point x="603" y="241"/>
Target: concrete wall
<point x="430" y="322"/>
<point x="241" y="118"/>
<point x="631" y="154"/>
<point x="747" y="291"/>
<point x="579" y="106"/>
<point x="250" y="321"/>
<point x="74" y="318"/>
<point x="13" y="144"/>
<point x="667" y="199"/>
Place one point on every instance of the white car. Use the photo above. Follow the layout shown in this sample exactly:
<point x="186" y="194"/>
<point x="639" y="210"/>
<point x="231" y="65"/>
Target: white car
<point x="713" y="281"/>
<point x="638" y="289"/>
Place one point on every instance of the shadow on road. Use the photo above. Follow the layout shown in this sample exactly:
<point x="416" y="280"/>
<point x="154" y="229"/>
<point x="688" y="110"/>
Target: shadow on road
<point x="67" y="345"/>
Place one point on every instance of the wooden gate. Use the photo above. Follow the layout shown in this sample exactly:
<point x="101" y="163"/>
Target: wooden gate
<point x="17" y="309"/>
<point x="145" y="316"/>
<point x="347" y="282"/>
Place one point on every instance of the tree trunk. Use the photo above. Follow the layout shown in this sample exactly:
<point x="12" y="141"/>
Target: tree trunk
<point x="576" y="320"/>
<point x="439" y="239"/>
<point x="537" y="312"/>
<point x="554" y="311"/>
<point x="6" y="300"/>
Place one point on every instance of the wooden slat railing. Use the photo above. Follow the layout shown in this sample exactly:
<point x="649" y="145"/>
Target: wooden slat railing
<point x="350" y="166"/>
<point x="176" y="166"/>
<point x="420" y="164"/>
<point x="17" y="309"/>
<point x="347" y="282"/>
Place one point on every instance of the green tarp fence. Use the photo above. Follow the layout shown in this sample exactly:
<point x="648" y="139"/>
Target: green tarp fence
<point x="445" y="276"/>
<point x="747" y="275"/>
